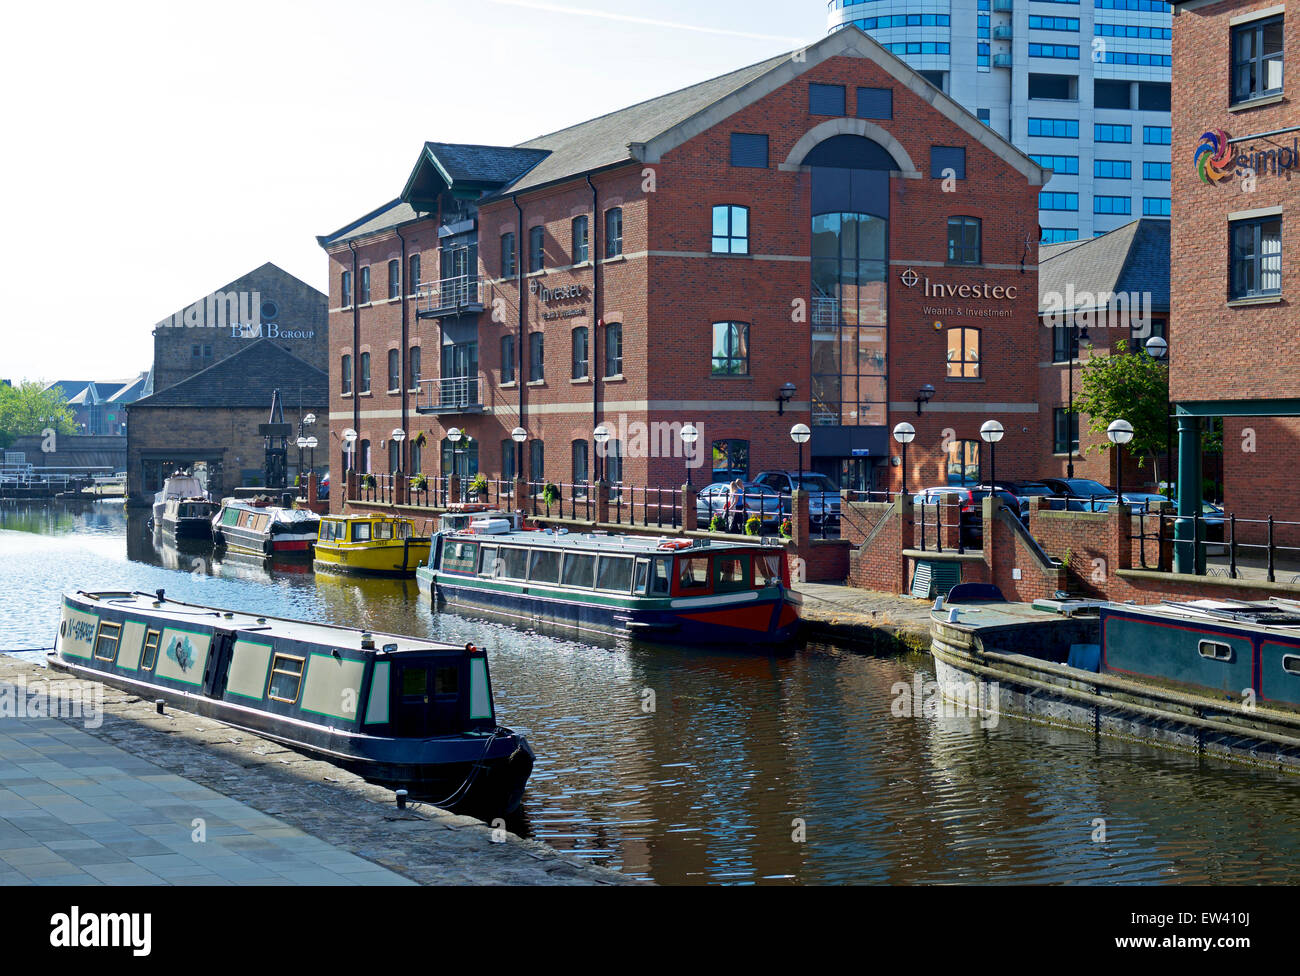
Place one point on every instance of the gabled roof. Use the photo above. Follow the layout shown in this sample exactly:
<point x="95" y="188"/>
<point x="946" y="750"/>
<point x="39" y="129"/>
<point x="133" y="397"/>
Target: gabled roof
<point x="132" y="390"/>
<point x="71" y="388"/>
<point x="246" y="380"/>
<point x="1133" y="258"/>
<point x="392" y="214"/>
<point x="263" y="271"/>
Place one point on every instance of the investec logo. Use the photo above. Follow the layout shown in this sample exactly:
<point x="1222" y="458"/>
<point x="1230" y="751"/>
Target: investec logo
<point x="937" y="289"/>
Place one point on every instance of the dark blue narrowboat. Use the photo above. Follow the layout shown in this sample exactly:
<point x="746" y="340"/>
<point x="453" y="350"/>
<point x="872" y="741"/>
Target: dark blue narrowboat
<point x="400" y="711"/>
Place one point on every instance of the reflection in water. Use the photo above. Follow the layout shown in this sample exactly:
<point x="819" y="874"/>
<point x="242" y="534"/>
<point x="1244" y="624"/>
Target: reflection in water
<point x="697" y="766"/>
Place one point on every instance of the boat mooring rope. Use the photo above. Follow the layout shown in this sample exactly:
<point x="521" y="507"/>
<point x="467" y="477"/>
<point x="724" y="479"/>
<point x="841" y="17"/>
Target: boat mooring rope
<point x="469" y="780"/>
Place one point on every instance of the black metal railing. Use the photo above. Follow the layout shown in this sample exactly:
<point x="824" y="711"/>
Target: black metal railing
<point x="1238" y="539"/>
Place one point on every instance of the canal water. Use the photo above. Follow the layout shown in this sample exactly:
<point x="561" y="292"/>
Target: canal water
<point x="691" y="766"/>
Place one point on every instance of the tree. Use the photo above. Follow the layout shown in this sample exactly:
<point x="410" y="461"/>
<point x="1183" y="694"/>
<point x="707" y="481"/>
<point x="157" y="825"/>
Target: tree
<point x="1129" y="385"/>
<point x="28" y="409"/>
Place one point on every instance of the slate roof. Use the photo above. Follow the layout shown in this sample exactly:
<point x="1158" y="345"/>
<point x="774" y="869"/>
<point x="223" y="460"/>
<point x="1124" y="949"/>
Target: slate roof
<point x="246" y="379"/>
<point x="390" y="215"/>
<point x="483" y="164"/>
<point x="131" y="390"/>
<point x="1132" y="258"/>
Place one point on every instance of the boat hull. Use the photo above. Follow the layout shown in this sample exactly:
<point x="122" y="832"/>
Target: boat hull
<point x="187" y="528"/>
<point x="399" y="559"/>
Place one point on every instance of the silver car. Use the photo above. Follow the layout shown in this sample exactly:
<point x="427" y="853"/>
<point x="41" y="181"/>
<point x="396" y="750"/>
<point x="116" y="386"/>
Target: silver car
<point x="823" y="497"/>
<point x="756" y="499"/>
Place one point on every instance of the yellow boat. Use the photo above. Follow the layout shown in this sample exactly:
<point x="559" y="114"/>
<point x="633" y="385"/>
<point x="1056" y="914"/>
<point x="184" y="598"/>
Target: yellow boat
<point x="369" y="545"/>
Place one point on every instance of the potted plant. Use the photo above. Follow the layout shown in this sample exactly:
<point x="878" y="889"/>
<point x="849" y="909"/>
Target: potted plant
<point x="419" y="482"/>
<point x="716" y="524"/>
<point x="479" y="486"/>
<point x="754" y="525"/>
<point x="786" y="529"/>
<point x="550" y="495"/>
<point x="367" y="481"/>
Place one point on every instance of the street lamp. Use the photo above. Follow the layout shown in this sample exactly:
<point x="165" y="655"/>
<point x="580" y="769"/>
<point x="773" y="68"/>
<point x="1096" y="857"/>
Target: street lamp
<point x="904" y="433"/>
<point x="454" y="435"/>
<point x="1071" y="421"/>
<point x="349" y="441"/>
<point x="519" y="435"/>
<point x="600" y="435"/>
<point x="800" y="433"/>
<point x="923" y="396"/>
<point x="992" y="432"/>
<point x="689" y="436"/>
<point x="398" y="435"/>
<point x="1120" y="433"/>
<point x="1157" y="348"/>
<point x="311" y="446"/>
<point x="301" y="442"/>
<point x="784" y="396"/>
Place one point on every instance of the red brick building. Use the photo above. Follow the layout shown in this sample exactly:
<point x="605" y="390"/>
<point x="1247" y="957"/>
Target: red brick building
<point x="825" y="220"/>
<point x="1233" y="278"/>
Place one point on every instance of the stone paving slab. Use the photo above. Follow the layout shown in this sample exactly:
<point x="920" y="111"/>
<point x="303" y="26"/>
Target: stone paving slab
<point x="879" y="621"/>
<point x="116" y="804"/>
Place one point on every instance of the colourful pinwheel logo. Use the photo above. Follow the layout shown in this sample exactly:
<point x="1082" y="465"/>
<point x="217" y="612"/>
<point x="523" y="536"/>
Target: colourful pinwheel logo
<point x="1213" y="157"/>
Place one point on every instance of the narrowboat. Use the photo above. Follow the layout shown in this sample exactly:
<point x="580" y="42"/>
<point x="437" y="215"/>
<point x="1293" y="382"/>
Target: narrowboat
<point x="679" y="590"/>
<point x="264" y="529"/>
<point x="369" y="545"/>
<point x="178" y="485"/>
<point x="1216" y="678"/>
<point x="400" y="711"/>
<point x="188" y="518"/>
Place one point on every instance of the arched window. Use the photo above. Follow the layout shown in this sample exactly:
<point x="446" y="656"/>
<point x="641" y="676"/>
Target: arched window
<point x="508" y="450"/>
<point x="394" y="371"/>
<point x="363" y="455"/>
<point x="730" y="460"/>
<point x="394" y="279"/>
<point x="581" y="470"/>
<point x="580" y="249"/>
<point x="460" y="458"/>
<point x="963" y="353"/>
<point x="614" y="461"/>
<point x="730" y="348"/>
<point x="614" y="349"/>
<point x="346" y="385"/>
<point x="580" y="354"/>
<point x="394" y="455"/>
<point x="364" y="297"/>
<point x="963" y="240"/>
<point x="365" y="373"/>
<point x="536" y="461"/>
<point x="613" y="232"/>
<point x="417" y="453"/>
<point x="413" y="365"/>
<point x="964" y="463"/>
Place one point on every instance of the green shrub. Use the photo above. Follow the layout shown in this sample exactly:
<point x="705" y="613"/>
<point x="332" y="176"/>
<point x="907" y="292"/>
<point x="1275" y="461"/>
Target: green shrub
<point x="787" y="528"/>
<point x="754" y="525"/>
<point x="419" y="482"/>
<point x="479" y="486"/>
<point x="716" y="524"/>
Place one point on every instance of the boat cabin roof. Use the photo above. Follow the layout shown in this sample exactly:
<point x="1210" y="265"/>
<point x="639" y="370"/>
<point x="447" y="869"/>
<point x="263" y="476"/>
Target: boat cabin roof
<point x="368" y="518"/>
<point x="636" y="545"/>
<point x="168" y="612"/>
<point x="1276" y="614"/>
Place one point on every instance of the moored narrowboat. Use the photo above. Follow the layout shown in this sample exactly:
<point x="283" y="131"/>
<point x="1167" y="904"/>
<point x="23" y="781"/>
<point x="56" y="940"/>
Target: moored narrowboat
<point x="679" y="590"/>
<point x="369" y="545"/>
<point x="1214" y="677"/>
<point x="400" y="711"/>
<point x="188" y="518"/>
<point x="265" y="530"/>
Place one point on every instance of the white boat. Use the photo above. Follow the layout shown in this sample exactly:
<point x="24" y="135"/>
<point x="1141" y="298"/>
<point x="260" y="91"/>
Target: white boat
<point x="180" y="487"/>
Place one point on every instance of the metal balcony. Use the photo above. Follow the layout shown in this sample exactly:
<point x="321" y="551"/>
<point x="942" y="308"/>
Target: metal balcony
<point x="1002" y="6"/>
<point x="1002" y="32"/>
<point x="1002" y="60"/>
<point x="449" y="296"/>
<point x="451" y="394"/>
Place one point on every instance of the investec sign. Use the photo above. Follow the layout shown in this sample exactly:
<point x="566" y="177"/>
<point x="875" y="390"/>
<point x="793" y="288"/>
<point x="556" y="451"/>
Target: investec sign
<point x="944" y="291"/>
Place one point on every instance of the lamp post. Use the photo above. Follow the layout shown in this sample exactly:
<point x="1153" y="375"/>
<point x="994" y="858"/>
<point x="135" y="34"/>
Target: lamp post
<point x="311" y="463"/>
<point x="1076" y="334"/>
<point x="454" y="435"/>
<point x="1157" y="348"/>
<point x="349" y="445"/>
<point x="301" y="442"/>
<point x="398" y="435"/>
<point x="689" y="436"/>
<point x="784" y="396"/>
<point x="303" y="422"/>
<point x="904" y="433"/>
<point x="600" y="435"/>
<point x="1120" y="433"/>
<point x="519" y="435"/>
<point x="800" y="433"/>
<point x="992" y="432"/>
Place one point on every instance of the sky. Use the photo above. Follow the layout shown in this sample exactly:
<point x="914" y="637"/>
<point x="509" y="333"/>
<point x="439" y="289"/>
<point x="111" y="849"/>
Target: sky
<point x="157" y="150"/>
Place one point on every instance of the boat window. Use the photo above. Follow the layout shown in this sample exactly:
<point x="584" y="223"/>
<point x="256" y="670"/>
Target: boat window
<point x="767" y="569"/>
<point x="579" y="569"/>
<point x="360" y="531"/>
<point x="286" y="677"/>
<point x="489" y="564"/>
<point x="659" y="577"/>
<point x="383" y="530"/>
<point x="731" y="573"/>
<point x="693" y="573"/>
<point x="1291" y="663"/>
<point x="230" y="516"/>
<point x="516" y="563"/>
<point x="642" y="575"/>
<point x="402" y="530"/>
<point x="446" y="681"/>
<point x="415" y="682"/>
<point x="614" y="573"/>
<point x="545" y="566"/>
<point x="151" y="640"/>
<point x="106" y="640"/>
<point x="460" y="557"/>
<point x="1215" y="651"/>
<point x="377" y="709"/>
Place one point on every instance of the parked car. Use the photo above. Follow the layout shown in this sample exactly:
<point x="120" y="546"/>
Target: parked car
<point x="1093" y="493"/>
<point x="756" y="499"/>
<point x="1141" y="501"/>
<point x="1024" y="490"/>
<point x="972" y="507"/>
<point x="823" y="496"/>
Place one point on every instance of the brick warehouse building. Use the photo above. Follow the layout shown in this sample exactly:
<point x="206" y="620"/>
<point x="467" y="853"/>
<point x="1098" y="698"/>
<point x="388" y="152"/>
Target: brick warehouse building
<point x="682" y="260"/>
<point x="1233" y="277"/>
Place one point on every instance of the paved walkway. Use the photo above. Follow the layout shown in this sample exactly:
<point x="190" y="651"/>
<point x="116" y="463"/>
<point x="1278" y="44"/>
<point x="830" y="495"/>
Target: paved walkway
<point x="881" y="621"/>
<point x="75" y="810"/>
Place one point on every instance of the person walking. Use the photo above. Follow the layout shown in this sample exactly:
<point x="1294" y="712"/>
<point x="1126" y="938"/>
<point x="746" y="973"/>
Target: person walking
<point x="735" y="508"/>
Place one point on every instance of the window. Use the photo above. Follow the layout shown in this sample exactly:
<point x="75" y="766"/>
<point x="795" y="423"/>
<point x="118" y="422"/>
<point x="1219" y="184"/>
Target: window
<point x="693" y="573"/>
<point x="936" y="78"/>
<point x="1053" y="23"/>
<point x="286" y="677"/>
<point x="346" y="288"/>
<point x="1058" y="201"/>
<point x="749" y="150"/>
<point x="364" y="287"/>
<point x="1112" y="133"/>
<point x="536" y="248"/>
<point x="1112" y="169"/>
<point x="1155" y="206"/>
<point x="1065" y="431"/>
<point x="963" y="462"/>
<point x="613" y="232"/>
<point x="730" y="348"/>
<point x="613" y="461"/>
<point x="106" y="640"/>
<point x="514" y="563"/>
<point x="826" y="99"/>
<point x="1155" y="171"/>
<point x="460" y="458"/>
<point x="1257" y="59"/>
<point x="1065" y="341"/>
<point x="346" y="385"/>
<point x="614" y="349"/>
<point x="545" y="566"/>
<point x="1055" y="87"/>
<point x="963" y="353"/>
<point x="394" y="455"/>
<point x="394" y="279"/>
<point x="150" y="658"/>
<point x="365" y="373"/>
<point x="536" y="366"/>
<point x="1066" y="165"/>
<point x="413" y="274"/>
<point x="875" y="103"/>
<point x="730" y="460"/>
<point x="1156" y="135"/>
<point x="507" y="359"/>
<point x="614" y="573"/>
<point x="536" y="461"/>
<point x="1063" y="51"/>
<point x="1055" y="235"/>
<point x="413" y="366"/>
<point x="1214" y="650"/>
<point x="508" y="452"/>
<point x="417" y="454"/>
<point x="963" y="240"/>
<point x="581" y="470"/>
<point x="1108" y="93"/>
<point x="1132" y="30"/>
<point x="581" y="251"/>
<point x="394" y="371"/>
<point x="1256" y="257"/>
<point x="1054" y="128"/>
<point x="363" y="455"/>
<point x="580" y="354"/>
<point x="1154" y="96"/>
<point x="508" y="269"/>
<point x="983" y="115"/>
<point x="947" y="158"/>
<point x="579" y="569"/>
<point x="1111" y="205"/>
<point x="730" y="230"/>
